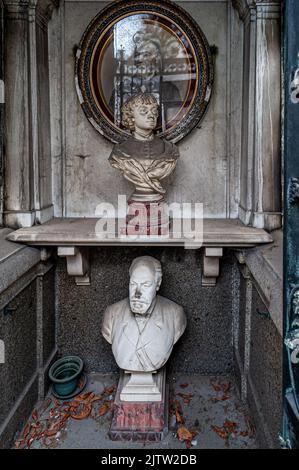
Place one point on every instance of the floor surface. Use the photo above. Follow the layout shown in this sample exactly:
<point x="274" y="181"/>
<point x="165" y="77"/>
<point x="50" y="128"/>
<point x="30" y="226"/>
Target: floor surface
<point x="205" y="413"/>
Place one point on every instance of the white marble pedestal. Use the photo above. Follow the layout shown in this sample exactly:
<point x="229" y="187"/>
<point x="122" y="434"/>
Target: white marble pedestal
<point x="142" y="386"/>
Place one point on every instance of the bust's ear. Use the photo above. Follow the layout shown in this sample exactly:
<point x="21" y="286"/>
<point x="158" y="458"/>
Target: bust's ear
<point x="159" y="284"/>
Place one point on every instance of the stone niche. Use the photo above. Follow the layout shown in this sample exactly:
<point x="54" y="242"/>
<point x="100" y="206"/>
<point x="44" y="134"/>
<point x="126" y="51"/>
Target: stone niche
<point x="210" y="156"/>
<point x="58" y="165"/>
<point x="230" y="163"/>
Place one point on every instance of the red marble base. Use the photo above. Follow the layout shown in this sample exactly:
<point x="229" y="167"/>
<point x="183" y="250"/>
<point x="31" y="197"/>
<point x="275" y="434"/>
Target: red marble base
<point x="146" y="218"/>
<point x="139" y="421"/>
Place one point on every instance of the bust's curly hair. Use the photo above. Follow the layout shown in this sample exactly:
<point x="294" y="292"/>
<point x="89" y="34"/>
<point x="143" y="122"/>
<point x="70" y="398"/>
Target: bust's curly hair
<point x="137" y="99"/>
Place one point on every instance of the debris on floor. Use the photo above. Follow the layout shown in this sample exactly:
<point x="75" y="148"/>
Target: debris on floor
<point x="49" y="422"/>
<point x="205" y="412"/>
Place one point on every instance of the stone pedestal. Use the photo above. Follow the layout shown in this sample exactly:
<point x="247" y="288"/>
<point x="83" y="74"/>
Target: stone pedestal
<point x="140" y="420"/>
<point x="142" y="386"/>
<point x="147" y="218"/>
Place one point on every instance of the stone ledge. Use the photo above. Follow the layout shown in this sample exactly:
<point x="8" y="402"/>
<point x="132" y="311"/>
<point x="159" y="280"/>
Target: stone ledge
<point x="266" y="267"/>
<point x="87" y="232"/>
<point x="15" y="260"/>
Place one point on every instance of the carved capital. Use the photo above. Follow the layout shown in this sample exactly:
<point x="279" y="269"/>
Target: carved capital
<point x="22" y="8"/>
<point x="244" y="7"/>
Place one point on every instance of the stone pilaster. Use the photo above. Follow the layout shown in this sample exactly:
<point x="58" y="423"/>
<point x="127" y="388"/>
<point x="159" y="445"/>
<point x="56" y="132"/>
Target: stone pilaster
<point x="267" y="169"/>
<point x="260" y="186"/>
<point x="28" y="197"/>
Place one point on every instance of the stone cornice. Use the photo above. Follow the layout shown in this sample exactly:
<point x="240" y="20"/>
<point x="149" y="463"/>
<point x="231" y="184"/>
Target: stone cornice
<point x="21" y="8"/>
<point x="243" y="7"/>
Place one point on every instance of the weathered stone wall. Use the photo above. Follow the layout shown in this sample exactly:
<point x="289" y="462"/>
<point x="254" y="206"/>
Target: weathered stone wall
<point x="209" y="166"/>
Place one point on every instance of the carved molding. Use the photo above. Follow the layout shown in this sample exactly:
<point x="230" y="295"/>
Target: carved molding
<point x="21" y="8"/>
<point x="243" y="7"/>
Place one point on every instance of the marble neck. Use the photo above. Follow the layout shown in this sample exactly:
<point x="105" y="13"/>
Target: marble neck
<point x="143" y="135"/>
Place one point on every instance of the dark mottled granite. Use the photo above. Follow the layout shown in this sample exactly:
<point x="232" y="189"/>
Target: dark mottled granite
<point x="266" y="367"/>
<point x="242" y="319"/>
<point x="18" y="331"/>
<point x="19" y="418"/>
<point x="48" y="320"/>
<point x="206" y="346"/>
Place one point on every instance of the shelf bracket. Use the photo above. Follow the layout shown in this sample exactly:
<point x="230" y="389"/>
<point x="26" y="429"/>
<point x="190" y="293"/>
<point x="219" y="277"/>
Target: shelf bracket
<point x="211" y="266"/>
<point x="77" y="260"/>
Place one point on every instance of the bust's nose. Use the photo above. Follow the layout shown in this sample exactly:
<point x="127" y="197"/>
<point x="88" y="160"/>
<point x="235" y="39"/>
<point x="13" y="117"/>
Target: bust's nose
<point x="137" y="293"/>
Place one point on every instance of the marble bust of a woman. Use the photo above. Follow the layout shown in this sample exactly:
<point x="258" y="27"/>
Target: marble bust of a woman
<point x="144" y="159"/>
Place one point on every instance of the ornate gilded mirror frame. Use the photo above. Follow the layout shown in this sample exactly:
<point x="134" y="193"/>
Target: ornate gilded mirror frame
<point x="152" y="46"/>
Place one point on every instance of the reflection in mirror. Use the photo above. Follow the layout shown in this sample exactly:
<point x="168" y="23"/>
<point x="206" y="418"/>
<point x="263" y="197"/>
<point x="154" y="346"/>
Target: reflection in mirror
<point x="148" y="53"/>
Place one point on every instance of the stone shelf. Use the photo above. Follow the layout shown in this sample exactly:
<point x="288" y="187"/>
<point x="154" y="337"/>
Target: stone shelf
<point x="73" y="237"/>
<point x="81" y="232"/>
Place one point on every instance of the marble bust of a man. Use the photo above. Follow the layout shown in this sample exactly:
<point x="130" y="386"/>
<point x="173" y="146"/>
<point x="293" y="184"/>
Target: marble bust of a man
<point x="144" y="159"/>
<point x="143" y="328"/>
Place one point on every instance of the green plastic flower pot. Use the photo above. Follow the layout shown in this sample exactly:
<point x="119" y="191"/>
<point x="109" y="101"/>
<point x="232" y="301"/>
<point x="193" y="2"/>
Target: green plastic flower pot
<point x="65" y="374"/>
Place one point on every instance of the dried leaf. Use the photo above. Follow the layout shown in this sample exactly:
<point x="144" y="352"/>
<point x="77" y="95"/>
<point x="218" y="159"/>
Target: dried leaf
<point x="83" y="413"/>
<point x="30" y="442"/>
<point x="216" y="387"/>
<point x="90" y="398"/>
<point x="65" y="416"/>
<point x="184" y="385"/>
<point x="57" y="402"/>
<point x="74" y="404"/>
<point x="220" y="431"/>
<point x="250" y="426"/>
<point x="96" y="398"/>
<point x="179" y="418"/>
<point x="225" y="397"/>
<point x="110" y="390"/>
<point x="84" y="396"/>
<point x="230" y="426"/>
<point x="81" y="383"/>
<point x="244" y="433"/>
<point x="27" y="430"/>
<point x="178" y="406"/>
<point x="226" y="387"/>
<point x="104" y="409"/>
<point x="186" y="397"/>
<point x="191" y="442"/>
<point x="34" y="415"/>
<point x="51" y="432"/>
<point x="184" y="434"/>
<point x="19" y="444"/>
